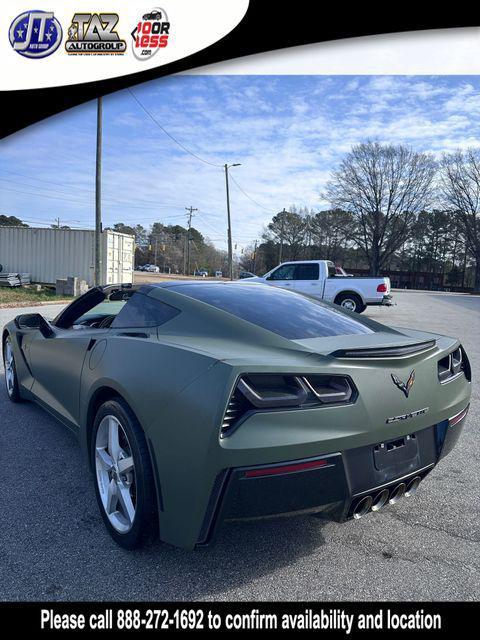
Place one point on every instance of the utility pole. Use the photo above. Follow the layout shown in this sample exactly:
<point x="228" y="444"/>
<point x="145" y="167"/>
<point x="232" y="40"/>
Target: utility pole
<point x="254" y="257"/>
<point x="98" y="198"/>
<point x="229" y="221"/>
<point x="280" y="253"/>
<point x="185" y="254"/>
<point x="190" y="214"/>
<point x="57" y="220"/>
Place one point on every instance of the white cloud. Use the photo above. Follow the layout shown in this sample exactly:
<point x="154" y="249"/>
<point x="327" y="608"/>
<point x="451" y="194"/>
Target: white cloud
<point x="288" y="133"/>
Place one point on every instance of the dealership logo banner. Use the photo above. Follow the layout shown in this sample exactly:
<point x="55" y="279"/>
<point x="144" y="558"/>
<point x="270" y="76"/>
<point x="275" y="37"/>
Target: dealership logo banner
<point x="35" y="34"/>
<point x="151" y="34"/>
<point x="94" y="33"/>
<point x="63" y="53"/>
<point x="104" y="40"/>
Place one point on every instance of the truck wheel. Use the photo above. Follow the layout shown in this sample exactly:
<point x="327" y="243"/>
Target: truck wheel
<point x="350" y="301"/>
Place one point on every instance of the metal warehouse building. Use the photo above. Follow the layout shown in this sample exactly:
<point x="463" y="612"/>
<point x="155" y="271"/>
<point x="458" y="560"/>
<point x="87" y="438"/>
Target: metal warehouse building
<point x="48" y="254"/>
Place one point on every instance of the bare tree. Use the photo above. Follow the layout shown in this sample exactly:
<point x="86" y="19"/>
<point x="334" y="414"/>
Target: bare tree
<point x="289" y="228"/>
<point x="330" y="232"/>
<point x="460" y="180"/>
<point x="383" y="187"/>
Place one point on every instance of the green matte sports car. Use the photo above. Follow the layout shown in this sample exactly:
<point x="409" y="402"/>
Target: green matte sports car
<point x="201" y="402"/>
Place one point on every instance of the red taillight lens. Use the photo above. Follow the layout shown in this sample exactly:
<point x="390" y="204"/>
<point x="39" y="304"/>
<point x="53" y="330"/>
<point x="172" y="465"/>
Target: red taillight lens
<point x="285" y="468"/>
<point x="382" y="288"/>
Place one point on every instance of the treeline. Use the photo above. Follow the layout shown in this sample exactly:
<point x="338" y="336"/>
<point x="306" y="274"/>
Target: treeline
<point x="11" y="221"/>
<point x="393" y="209"/>
<point x="435" y="247"/>
<point x="174" y="249"/>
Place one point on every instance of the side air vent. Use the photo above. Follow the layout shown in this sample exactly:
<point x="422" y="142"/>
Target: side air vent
<point x="234" y="411"/>
<point x="385" y="352"/>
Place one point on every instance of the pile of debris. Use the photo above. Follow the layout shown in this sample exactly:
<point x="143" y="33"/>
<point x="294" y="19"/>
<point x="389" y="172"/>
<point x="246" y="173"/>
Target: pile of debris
<point x="14" y="279"/>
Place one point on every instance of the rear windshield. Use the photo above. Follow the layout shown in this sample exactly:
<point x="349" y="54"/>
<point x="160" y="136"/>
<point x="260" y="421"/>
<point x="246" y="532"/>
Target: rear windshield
<point x="291" y="315"/>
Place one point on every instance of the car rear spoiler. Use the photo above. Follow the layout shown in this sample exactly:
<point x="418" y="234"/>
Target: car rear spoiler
<point x="385" y="352"/>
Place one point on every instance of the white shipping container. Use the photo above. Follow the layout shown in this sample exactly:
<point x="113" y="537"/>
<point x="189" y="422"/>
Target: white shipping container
<point x="48" y="254"/>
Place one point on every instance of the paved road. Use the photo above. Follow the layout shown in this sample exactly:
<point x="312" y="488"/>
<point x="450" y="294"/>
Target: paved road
<point x="53" y="545"/>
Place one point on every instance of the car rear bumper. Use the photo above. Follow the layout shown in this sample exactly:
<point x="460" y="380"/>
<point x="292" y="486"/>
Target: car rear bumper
<point x="340" y="484"/>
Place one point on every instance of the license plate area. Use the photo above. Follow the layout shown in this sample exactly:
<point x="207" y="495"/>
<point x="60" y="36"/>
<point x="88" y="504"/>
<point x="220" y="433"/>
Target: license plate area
<point x="395" y="452"/>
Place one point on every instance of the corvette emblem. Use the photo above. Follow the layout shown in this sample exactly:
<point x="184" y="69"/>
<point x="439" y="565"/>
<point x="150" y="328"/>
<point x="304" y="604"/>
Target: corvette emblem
<point x="404" y="386"/>
<point x="407" y="416"/>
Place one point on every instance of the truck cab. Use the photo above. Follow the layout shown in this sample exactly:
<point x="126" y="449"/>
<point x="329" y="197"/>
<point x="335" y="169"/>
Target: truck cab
<point x="320" y="279"/>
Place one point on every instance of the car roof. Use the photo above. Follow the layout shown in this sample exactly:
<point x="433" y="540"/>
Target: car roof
<point x="166" y="284"/>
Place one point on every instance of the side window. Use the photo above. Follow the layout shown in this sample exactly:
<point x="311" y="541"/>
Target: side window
<point x="143" y="311"/>
<point x="285" y="272"/>
<point x="99" y="314"/>
<point x="306" y="271"/>
<point x="332" y="272"/>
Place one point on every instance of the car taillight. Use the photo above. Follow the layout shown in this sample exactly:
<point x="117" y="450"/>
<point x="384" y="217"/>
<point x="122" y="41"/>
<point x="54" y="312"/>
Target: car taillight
<point x="330" y="389"/>
<point x="453" y="364"/>
<point x="267" y="392"/>
<point x="382" y="288"/>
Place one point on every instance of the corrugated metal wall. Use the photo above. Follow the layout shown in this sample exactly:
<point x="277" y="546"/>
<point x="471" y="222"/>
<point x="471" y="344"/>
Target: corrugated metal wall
<point x="49" y="254"/>
<point x="118" y="257"/>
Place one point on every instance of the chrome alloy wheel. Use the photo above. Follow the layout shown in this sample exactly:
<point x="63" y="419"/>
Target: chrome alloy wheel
<point x="115" y="472"/>
<point x="349" y="304"/>
<point x="9" y="367"/>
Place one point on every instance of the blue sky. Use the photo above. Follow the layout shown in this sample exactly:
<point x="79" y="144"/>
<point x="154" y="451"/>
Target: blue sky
<point x="289" y="133"/>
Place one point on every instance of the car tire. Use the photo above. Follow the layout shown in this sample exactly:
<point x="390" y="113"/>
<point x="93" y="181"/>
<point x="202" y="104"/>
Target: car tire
<point x="125" y="492"/>
<point x="11" y="379"/>
<point x="350" y="302"/>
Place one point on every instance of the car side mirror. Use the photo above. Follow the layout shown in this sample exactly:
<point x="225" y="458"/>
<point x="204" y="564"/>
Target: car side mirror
<point x="34" y="321"/>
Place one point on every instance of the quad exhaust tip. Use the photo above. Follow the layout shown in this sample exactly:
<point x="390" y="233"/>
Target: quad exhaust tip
<point x="412" y="486"/>
<point x="375" y="503"/>
<point x="397" y="493"/>
<point x="380" y="500"/>
<point x="362" y="507"/>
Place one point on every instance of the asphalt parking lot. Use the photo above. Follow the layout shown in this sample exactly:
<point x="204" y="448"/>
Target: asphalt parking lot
<point x="53" y="545"/>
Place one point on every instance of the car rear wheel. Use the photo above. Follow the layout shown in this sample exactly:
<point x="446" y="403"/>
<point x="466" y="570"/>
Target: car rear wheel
<point x="11" y="381"/>
<point x="350" y="301"/>
<point x="124" y="481"/>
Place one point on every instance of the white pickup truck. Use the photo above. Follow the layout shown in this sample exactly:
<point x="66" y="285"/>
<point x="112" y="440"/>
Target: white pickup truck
<point x="320" y="279"/>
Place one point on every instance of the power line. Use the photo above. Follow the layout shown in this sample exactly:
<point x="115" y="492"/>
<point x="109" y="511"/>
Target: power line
<point x="57" y="184"/>
<point x="106" y="201"/>
<point x="140" y="203"/>
<point x="248" y="196"/>
<point x="207" y="223"/>
<point x="180" y="144"/>
<point x="43" y="195"/>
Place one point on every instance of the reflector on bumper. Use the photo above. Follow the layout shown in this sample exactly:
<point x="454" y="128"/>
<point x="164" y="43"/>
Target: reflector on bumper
<point x="286" y="468"/>
<point x="458" y="417"/>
